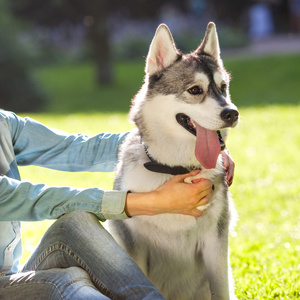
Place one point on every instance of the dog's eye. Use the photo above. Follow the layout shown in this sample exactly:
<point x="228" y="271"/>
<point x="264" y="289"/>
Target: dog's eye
<point x="195" y="90"/>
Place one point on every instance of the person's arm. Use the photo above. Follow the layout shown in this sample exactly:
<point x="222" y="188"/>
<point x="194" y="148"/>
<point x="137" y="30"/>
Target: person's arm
<point x="37" y="144"/>
<point x="25" y="201"/>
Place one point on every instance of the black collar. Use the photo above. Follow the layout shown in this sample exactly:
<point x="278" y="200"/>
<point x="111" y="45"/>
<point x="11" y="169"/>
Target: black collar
<point x="157" y="167"/>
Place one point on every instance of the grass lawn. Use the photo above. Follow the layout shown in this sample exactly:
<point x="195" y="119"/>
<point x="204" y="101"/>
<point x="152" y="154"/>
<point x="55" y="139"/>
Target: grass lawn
<point x="265" y="245"/>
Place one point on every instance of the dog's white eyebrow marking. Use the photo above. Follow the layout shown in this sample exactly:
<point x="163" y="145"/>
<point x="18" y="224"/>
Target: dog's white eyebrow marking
<point x="202" y="79"/>
<point x="219" y="78"/>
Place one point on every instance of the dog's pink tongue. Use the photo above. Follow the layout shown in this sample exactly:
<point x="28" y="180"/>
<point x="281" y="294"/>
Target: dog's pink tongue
<point x="207" y="147"/>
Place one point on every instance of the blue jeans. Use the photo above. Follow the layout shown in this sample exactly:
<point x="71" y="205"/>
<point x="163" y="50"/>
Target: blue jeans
<point x="78" y="259"/>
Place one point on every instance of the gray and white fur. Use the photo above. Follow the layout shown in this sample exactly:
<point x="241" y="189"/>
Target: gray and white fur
<point x="185" y="257"/>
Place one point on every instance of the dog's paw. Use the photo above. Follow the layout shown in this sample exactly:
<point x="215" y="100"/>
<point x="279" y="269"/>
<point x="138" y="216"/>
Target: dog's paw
<point x="192" y="178"/>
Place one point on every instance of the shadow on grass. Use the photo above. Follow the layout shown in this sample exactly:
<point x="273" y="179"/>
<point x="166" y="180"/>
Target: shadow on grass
<point x="261" y="81"/>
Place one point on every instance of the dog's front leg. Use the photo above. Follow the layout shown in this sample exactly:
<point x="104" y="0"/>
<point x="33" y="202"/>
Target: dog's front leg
<point x="215" y="256"/>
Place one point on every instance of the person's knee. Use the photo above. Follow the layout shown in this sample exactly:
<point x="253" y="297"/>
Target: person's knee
<point x="77" y="217"/>
<point x="73" y="222"/>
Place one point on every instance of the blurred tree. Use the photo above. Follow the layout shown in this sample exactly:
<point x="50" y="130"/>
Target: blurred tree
<point x="18" y="90"/>
<point x="93" y="14"/>
<point x="52" y="13"/>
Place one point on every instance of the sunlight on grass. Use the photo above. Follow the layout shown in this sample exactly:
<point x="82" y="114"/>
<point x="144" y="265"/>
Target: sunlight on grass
<point x="266" y="243"/>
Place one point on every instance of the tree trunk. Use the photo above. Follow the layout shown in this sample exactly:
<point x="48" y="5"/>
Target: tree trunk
<point x="98" y="36"/>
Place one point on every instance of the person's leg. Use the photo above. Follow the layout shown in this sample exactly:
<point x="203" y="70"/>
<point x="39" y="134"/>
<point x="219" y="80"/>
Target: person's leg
<point x="78" y="239"/>
<point x="68" y="284"/>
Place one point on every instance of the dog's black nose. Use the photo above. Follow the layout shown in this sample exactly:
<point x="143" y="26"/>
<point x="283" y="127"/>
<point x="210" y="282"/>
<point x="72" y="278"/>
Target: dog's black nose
<point x="229" y="115"/>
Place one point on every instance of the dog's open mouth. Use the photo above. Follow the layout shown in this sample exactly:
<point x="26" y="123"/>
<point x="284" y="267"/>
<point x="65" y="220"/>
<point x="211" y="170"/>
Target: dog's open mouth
<point x="209" y="143"/>
<point x="186" y="122"/>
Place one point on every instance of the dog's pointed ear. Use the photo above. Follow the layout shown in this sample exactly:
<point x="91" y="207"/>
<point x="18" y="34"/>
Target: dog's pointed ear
<point x="210" y="43"/>
<point x="162" y="51"/>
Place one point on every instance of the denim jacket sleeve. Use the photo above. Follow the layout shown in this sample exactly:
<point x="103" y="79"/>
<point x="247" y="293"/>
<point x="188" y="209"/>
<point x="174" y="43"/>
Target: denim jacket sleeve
<point x="25" y="201"/>
<point x="36" y="144"/>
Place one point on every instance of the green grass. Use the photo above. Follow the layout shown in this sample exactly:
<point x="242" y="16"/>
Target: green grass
<point x="265" y="245"/>
<point x="265" y="80"/>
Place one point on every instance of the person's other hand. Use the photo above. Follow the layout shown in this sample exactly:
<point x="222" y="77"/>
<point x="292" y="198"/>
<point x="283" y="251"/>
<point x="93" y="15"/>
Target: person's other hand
<point x="228" y="166"/>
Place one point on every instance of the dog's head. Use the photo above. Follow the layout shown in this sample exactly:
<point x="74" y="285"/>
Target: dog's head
<point x="187" y="95"/>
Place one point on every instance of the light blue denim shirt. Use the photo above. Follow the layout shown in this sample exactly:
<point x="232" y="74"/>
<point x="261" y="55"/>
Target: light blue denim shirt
<point x="24" y="141"/>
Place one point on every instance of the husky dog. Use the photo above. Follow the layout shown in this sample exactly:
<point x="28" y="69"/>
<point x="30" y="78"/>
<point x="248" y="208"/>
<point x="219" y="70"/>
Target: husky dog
<point x="182" y="114"/>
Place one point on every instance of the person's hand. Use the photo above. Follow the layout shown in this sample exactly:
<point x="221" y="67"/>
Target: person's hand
<point x="228" y="166"/>
<point x="175" y="196"/>
<point x="184" y="198"/>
